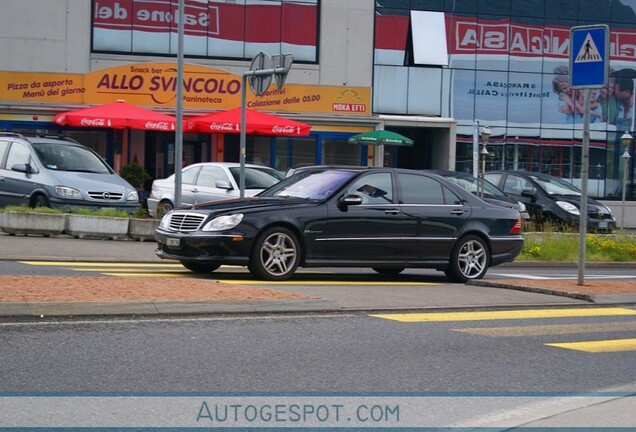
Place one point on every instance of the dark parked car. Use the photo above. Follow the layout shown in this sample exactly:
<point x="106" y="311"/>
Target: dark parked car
<point x="491" y="193"/>
<point x="551" y="199"/>
<point x="382" y="218"/>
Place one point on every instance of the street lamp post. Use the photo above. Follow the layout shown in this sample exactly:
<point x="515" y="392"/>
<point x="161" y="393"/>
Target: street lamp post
<point x="626" y="140"/>
<point x="484" y="134"/>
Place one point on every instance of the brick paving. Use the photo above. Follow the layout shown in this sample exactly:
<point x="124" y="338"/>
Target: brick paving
<point x="100" y="289"/>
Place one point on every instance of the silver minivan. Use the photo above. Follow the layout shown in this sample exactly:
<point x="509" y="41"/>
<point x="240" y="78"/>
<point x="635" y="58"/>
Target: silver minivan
<point x="59" y="172"/>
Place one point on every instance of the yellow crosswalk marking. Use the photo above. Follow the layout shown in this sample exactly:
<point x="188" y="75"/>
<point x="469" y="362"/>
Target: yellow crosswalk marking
<point x="542" y="330"/>
<point x="262" y="282"/>
<point x="171" y="270"/>
<point x="98" y="264"/>
<point x="124" y="271"/>
<point x="615" y="345"/>
<point x="503" y="315"/>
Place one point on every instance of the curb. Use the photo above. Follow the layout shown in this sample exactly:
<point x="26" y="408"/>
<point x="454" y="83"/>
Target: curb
<point x="598" y="299"/>
<point x="151" y="308"/>
<point x="576" y="296"/>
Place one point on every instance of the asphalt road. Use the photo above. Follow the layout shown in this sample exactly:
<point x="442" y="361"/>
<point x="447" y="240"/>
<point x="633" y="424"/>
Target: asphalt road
<point x="348" y="352"/>
<point x="344" y="353"/>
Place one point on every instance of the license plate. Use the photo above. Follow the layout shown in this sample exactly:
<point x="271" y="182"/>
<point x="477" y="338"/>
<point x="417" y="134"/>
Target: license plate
<point x="603" y="225"/>
<point x="173" y="242"/>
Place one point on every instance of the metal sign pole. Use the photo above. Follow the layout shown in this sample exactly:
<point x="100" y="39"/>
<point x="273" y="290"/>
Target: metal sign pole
<point x="178" y="151"/>
<point x="585" y="163"/>
<point x="243" y="135"/>
<point x="589" y="68"/>
<point x="260" y="75"/>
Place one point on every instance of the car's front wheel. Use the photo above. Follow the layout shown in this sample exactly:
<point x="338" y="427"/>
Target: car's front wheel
<point x="164" y="207"/>
<point x="40" y="201"/>
<point x="470" y="259"/>
<point x="275" y="255"/>
<point x="198" y="267"/>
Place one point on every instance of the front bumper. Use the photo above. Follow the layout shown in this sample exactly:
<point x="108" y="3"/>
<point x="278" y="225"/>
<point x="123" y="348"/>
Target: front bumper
<point x="202" y="247"/>
<point x="152" y="204"/>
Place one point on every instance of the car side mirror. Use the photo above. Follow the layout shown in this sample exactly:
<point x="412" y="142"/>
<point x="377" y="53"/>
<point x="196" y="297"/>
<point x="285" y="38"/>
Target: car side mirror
<point x="23" y="168"/>
<point x="222" y="184"/>
<point x="349" y="200"/>
<point x="529" y="193"/>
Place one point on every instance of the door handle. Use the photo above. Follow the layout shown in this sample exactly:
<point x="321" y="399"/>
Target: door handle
<point x="391" y="211"/>
<point x="457" y="212"/>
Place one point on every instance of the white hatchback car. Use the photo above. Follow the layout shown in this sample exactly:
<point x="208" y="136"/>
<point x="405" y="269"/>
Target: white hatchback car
<point x="210" y="181"/>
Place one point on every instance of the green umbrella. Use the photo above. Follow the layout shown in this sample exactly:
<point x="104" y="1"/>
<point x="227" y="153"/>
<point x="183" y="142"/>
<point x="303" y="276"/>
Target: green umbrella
<point x="378" y="137"/>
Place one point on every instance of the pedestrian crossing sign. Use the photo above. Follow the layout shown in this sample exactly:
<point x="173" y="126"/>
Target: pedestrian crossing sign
<point x="589" y="56"/>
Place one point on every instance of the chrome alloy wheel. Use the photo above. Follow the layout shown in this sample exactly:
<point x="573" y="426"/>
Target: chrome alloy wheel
<point x="276" y="254"/>
<point x="472" y="259"/>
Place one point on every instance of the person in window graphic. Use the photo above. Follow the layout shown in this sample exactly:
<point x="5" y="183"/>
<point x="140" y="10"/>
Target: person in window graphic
<point x="608" y="103"/>
<point x="624" y="91"/>
<point x="388" y="159"/>
<point x="561" y="87"/>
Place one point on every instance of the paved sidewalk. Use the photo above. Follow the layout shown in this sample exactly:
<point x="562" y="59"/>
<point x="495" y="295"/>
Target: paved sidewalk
<point x="99" y="295"/>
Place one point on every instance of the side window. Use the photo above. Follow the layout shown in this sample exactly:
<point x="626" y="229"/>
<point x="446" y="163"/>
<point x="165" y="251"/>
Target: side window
<point x="373" y="188"/>
<point x="451" y="198"/>
<point x="210" y="175"/>
<point x="188" y="176"/>
<point x="493" y="178"/>
<point x="419" y="189"/>
<point x="3" y="148"/>
<point x="18" y="154"/>
<point x="526" y="185"/>
<point x="513" y="185"/>
<point x="516" y="185"/>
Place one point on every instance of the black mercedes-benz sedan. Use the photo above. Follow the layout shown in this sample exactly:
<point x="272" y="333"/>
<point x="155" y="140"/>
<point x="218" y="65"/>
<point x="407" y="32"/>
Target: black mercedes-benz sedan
<point x="381" y="218"/>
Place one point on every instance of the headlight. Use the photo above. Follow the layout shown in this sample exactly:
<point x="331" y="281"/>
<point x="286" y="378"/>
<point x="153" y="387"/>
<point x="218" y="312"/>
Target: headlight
<point x="223" y="222"/>
<point x="570" y="208"/>
<point x="522" y="206"/>
<point x="67" y="192"/>
<point x="132" y="196"/>
<point x="165" y="222"/>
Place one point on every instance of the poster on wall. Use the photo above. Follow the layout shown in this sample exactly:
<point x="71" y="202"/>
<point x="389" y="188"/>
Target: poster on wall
<point x="485" y="58"/>
<point x="515" y="75"/>
<point x="211" y="28"/>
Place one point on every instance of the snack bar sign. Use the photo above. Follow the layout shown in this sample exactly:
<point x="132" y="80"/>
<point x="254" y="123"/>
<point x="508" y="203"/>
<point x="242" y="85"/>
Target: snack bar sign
<point x="154" y="84"/>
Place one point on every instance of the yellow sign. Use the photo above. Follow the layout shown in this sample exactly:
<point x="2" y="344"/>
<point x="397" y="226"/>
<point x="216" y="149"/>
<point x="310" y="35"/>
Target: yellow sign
<point x="154" y="85"/>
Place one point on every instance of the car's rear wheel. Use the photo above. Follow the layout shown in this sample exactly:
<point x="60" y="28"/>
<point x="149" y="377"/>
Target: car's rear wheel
<point x="389" y="271"/>
<point x="40" y="201"/>
<point x="469" y="260"/>
<point x="164" y="207"/>
<point x="275" y="254"/>
<point x="198" y="267"/>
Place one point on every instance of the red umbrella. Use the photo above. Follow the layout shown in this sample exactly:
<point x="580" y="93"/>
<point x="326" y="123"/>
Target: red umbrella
<point x="117" y="115"/>
<point x="256" y="123"/>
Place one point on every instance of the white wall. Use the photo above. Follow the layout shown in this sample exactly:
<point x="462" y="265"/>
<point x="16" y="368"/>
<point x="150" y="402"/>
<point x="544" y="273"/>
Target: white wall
<point x="346" y="42"/>
<point x="55" y="35"/>
<point x="630" y="212"/>
<point x="45" y="36"/>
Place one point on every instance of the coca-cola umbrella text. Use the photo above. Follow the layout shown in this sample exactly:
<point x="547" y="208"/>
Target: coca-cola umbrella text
<point x="256" y="123"/>
<point x="117" y="115"/>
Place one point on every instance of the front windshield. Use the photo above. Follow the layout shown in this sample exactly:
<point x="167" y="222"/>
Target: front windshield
<point x="257" y="178"/>
<point x="471" y="184"/>
<point x="65" y="157"/>
<point x="310" y="184"/>
<point x="555" y="186"/>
